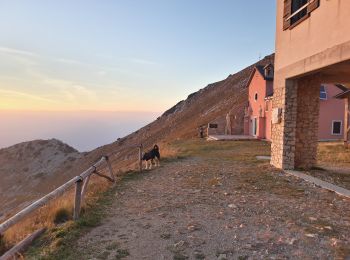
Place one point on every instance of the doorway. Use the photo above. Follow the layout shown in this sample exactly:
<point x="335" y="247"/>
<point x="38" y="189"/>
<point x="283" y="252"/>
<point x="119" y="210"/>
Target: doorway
<point x="254" y="126"/>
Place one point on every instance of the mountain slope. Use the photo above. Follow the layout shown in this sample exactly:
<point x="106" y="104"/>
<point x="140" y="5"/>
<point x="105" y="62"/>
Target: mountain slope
<point x="180" y="121"/>
<point x="29" y="169"/>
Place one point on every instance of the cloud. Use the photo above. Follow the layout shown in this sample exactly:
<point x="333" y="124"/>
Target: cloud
<point x="26" y="95"/>
<point x="70" y="61"/>
<point x="143" y="62"/>
<point x="101" y="73"/>
<point x="17" y="52"/>
<point x="71" y="91"/>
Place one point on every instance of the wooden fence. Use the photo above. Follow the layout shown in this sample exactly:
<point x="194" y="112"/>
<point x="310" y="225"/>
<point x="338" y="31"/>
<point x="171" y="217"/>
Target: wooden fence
<point x="81" y="183"/>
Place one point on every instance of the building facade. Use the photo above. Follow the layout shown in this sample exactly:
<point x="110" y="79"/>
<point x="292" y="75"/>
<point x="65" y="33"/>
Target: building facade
<point x="312" y="48"/>
<point x="258" y="114"/>
<point x="257" y="120"/>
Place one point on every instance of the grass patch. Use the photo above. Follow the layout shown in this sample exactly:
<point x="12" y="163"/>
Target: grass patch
<point x="239" y="151"/>
<point x="113" y="246"/>
<point x="333" y="153"/>
<point x="122" y="253"/>
<point x="58" y="242"/>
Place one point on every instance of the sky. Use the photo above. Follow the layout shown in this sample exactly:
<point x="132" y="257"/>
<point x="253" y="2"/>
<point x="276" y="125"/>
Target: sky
<point x="139" y="57"/>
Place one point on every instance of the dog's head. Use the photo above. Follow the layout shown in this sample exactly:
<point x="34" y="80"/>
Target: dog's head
<point x="156" y="147"/>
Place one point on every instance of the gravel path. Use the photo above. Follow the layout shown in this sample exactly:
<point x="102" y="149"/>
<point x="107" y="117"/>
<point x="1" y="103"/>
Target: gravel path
<point x="197" y="208"/>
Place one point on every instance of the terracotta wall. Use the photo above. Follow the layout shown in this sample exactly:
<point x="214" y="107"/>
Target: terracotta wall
<point x="257" y="85"/>
<point x="330" y="109"/>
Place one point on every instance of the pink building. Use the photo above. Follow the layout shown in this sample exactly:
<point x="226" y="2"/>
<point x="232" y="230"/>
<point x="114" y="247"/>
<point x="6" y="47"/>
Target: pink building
<point x="258" y="114"/>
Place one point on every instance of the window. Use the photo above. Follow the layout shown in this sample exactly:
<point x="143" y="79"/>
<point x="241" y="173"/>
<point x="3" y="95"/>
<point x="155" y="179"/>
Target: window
<point x="323" y="93"/>
<point x="256" y="96"/>
<point x="296" y="11"/>
<point x="297" y="6"/>
<point x="336" y="127"/>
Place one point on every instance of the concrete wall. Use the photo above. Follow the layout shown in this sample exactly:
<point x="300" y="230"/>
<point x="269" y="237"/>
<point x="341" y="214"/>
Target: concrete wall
<point x="327" y="26"/>
<point x="268" y="118"/>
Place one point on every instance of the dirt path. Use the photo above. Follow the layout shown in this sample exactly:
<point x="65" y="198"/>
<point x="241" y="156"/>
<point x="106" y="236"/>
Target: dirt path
<point x="205" y="207"/>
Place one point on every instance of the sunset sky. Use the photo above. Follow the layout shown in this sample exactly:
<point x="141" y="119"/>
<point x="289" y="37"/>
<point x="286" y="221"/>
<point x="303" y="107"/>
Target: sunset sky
<point x="124" y="55"/>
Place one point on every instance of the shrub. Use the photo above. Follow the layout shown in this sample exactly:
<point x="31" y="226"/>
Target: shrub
<point x="2" y="244"/>
<point x="62" y="215"/>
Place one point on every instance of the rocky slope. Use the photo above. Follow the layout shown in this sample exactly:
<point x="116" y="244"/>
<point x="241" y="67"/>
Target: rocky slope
<point x="29" y="169"/>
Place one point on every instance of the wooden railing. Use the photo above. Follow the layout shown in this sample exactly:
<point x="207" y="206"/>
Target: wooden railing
<point x="81" y="183"/>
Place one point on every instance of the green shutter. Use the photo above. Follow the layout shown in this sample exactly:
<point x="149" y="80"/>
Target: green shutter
<point x="287" y="11"/>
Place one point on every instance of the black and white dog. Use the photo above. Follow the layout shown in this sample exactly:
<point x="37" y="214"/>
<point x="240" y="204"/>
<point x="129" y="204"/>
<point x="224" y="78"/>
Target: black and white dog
<point x="150" y="156"/>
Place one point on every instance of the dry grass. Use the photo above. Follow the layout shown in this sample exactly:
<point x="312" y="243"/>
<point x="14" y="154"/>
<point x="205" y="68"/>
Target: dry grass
<point x="45" y="216"/>
<point x="333" y="154"/>
<point x="239" y="151"/>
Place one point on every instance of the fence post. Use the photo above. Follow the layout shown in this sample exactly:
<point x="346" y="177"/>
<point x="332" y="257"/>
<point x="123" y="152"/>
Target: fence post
<point x="110" y="168"/>
<point x="140" y="157"/>
<point x="77" y="199"/>
<point x="84" y="189"/>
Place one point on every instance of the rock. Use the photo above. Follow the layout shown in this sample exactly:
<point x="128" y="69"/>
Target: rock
<point x="222" y="257"/>
<point x="232" y="206"/>
<point x="162" y="215"/>
<point x="310" y="235"/>
<point x="291" y="241"/>
<point x="179" y="244"/>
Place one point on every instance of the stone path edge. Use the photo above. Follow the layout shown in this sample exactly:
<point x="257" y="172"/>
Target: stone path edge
<point x="326" y="185"/>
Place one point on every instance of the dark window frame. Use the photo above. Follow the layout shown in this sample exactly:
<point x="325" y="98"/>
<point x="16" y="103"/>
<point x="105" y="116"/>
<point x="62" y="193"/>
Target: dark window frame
<point x="296" y="5"/>
<point x="296" y="11"/>
<point x="340" y="127"/>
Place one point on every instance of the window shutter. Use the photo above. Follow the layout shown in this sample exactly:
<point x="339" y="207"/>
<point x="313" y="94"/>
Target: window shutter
<point x="314" y="4"/>
<point x="287" y="11"/>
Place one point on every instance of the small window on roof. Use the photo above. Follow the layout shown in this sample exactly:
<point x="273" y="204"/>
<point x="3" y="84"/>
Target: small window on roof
<point x="323" y="93"/>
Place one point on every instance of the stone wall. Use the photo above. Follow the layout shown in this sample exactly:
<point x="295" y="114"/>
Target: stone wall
<point x="307" y="123"/>
<point x="278" y="129"/>
<point x="295" y="137"/>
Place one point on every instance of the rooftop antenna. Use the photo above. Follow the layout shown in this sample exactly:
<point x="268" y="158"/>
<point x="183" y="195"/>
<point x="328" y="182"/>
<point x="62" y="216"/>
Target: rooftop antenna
<point x="259" y="61"/>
